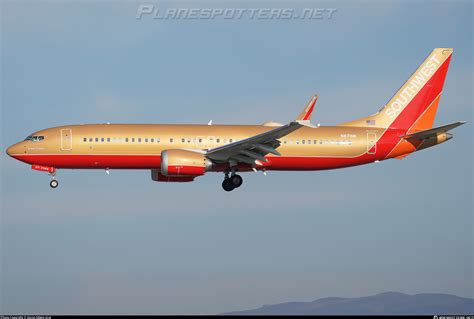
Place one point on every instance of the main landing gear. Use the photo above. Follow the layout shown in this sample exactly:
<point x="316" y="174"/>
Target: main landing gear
<point x="234" y="181"/>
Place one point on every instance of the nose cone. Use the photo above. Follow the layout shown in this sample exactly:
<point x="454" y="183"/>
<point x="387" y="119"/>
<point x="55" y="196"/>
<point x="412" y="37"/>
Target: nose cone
<point x="13" y="150"/>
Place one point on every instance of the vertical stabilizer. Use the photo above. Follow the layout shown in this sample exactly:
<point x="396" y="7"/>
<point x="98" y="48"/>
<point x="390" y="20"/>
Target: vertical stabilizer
<point x="414" y="105"/>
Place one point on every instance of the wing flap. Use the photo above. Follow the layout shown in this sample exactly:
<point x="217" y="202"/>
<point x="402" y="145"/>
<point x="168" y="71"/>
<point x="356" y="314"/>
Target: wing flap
<point x="267" y="149"/>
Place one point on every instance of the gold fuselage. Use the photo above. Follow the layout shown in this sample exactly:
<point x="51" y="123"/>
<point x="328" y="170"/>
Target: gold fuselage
<point x="139" y="146"/>
<point x="111" y="139"/>
<point x="102" y="144"/>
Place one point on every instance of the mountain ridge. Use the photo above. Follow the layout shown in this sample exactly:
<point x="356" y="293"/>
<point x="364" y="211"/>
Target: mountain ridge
<point x="386" y="303"/>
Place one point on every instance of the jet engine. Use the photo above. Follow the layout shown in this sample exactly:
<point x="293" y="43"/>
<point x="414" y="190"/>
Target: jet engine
<point x="182" y="163"/>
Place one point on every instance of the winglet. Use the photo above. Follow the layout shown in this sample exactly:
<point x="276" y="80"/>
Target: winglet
<point x="308" y="110"/>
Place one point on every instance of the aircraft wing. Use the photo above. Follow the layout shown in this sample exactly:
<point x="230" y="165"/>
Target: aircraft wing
<point x="432" y="132"/>
<point x="253" y="148"/>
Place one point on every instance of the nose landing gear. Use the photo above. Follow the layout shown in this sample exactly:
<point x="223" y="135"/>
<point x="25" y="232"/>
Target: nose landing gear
<point x="50" y="170"/>
<point x="54" y="183"/>
<point x="232" y="182"/>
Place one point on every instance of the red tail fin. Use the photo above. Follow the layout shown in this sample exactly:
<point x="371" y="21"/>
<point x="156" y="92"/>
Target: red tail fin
<point x="414" y="106"/>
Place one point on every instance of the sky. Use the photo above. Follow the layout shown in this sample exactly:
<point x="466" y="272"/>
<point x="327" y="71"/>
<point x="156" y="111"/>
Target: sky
<point x="121" y="243"/>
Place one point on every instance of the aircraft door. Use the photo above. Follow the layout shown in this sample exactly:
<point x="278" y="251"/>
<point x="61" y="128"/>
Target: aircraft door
<point x="371" y="142"/>
<point x="66" y="139"/>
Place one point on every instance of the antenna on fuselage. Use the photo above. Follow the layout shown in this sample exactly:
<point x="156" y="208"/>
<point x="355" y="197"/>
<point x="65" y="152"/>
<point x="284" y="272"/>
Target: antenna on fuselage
<point x="210" y="122"/>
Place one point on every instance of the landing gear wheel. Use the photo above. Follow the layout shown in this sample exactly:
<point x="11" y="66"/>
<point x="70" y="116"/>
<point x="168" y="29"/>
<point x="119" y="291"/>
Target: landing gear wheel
<point x="54" y="183"/>
<point x="227" y="185"/>
<point x="236" y="180"/>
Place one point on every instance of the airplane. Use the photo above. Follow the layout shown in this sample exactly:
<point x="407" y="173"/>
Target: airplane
<point x="180" y="153"/>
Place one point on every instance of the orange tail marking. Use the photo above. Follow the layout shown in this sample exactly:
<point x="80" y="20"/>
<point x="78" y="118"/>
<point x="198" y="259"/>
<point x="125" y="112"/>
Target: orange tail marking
<point x="424" y="122"/>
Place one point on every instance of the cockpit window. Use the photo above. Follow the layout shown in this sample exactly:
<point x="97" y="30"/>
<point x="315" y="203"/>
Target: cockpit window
<point x="34" y="138"/>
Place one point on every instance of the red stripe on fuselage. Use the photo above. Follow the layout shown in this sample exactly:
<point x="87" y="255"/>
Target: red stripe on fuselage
<point x="92" y="161"/>
<point x="293" y="163"/>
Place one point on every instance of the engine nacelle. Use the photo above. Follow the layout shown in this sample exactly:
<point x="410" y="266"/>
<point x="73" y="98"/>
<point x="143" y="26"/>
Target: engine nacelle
<point x="158" y="177"/>
<point x="183" y="163"/>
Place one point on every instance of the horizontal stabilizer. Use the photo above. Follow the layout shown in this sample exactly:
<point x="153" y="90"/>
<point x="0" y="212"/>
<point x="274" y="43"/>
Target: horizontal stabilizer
<point x="432" y="132"/>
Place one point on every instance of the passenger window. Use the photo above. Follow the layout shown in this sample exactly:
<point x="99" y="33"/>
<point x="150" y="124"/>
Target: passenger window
<point x="182" y="140"/>
<point x="139" y="140"/>
<point x="152" y="140"/>
<point x="218" y="140"/>
<point x="96" y="139"/>
<point x="171" y="140"/>
<point x="297" y="141"/>
<point x="200" y="140"/>
<point x="315" y="141"/>
<point x="126" y="139"/>
<point x="90" y="139"/>
<point x="158" y="140"/>
<point x="302" y="142"/>
<point x="85" y="139"/>
<point x="102" y="139"/>
<point x="146" y="140"/>
<point x="230" y="140"/>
